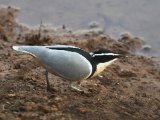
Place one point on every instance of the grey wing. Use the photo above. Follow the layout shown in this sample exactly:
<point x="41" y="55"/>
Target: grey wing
<point x="67" y="64"/>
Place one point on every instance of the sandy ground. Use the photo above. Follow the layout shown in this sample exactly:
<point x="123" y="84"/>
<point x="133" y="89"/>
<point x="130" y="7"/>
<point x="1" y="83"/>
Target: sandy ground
<point x="129" y="89"/>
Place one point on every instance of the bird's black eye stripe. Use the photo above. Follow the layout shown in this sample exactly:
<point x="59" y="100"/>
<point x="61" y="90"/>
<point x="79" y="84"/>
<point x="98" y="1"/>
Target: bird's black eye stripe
<point x="103" y="59"/>
<point x="101" y="51"/>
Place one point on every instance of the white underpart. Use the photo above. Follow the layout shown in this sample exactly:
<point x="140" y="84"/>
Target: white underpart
<point x="103" y="54"/>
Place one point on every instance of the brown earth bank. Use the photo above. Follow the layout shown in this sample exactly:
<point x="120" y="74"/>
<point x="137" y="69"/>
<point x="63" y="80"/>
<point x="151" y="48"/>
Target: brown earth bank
<point x="129" y="89"/>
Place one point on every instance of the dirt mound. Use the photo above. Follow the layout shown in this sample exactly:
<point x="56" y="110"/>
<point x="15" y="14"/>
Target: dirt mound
<point x="129" y="89"/>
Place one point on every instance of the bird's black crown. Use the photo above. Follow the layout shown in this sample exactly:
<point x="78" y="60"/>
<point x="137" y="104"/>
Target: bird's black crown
<point x="104" y="55"/>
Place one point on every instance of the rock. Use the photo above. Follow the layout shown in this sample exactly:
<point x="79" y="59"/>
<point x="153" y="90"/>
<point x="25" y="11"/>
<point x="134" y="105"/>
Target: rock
<point x="29" y="115"/>
<point x="126" y="73"/>
<point x="146" y="48"/>
<point x="126" y="35"/>
<point x="94" y="24"/>
<point x="82" y="110"/>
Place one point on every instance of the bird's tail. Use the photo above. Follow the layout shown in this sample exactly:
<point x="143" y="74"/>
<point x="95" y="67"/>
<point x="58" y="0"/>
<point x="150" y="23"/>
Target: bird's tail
<point x="17" y="48"/>
<point x="26" y="49"/>
<point x="32" y="50"/>
<point x="21" y="48"/>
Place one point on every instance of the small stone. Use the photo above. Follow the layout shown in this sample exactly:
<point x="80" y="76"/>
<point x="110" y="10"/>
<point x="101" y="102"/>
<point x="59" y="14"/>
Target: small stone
<point x="158" y="113"/>
<point x="2" y="116"/>
<point x="43" y="118"/>
<point x="45" y="109"/>
<point x="58" y="98"/>
<point x="94" y="24"/>
<point x="11" y="95"/>
<point x="100" y="76"/>
<point x="146" y="48"/>
<point x="54" y="108"/>
<point x="82" y="110"/>
<point x="30" y="106"/>
<point x="126" y="35"/>
<point x="29" y="115"/>
<point x="126" y="73"/>
<point x="144" y="95"/>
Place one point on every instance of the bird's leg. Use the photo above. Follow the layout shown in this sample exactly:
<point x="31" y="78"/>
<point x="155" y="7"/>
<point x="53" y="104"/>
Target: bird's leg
<point x="47" y="80"/>
<point x="74" y="87"/>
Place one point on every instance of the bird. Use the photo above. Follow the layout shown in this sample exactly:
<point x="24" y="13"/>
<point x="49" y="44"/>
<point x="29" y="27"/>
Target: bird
<point x="70" y="62"/>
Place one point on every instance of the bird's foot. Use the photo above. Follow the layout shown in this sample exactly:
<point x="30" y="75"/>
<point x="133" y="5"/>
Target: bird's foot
<point x="76" y="88"/>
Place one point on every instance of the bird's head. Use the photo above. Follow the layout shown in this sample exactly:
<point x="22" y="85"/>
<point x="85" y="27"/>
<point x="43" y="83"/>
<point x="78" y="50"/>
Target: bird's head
<point x="103" y="58"/>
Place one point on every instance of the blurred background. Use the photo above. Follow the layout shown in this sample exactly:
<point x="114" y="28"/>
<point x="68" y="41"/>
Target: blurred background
<point x="139" y="17"/>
